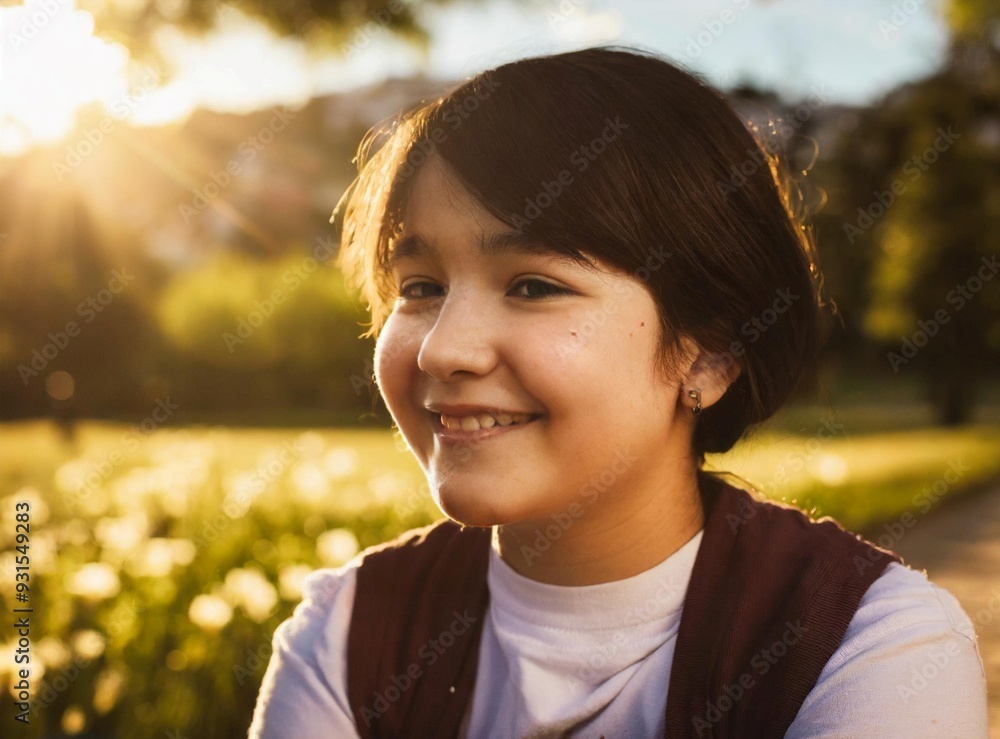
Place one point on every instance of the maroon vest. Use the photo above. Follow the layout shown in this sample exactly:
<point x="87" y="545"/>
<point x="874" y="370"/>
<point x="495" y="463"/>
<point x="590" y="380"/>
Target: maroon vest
<point x="770" y="598"/>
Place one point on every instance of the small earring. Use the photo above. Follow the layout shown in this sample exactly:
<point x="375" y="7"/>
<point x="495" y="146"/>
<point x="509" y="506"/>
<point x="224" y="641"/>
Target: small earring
<point x="696" y="394"/>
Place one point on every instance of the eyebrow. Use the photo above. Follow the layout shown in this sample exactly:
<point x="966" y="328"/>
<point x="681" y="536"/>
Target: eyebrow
<point x="496" y="244"/>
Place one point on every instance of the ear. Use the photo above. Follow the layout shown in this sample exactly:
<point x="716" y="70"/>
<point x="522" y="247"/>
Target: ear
<point x="710" y="372"/>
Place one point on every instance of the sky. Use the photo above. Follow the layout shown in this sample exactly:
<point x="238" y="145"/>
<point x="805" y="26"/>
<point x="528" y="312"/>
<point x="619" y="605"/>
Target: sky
<point x="853" y="51"/>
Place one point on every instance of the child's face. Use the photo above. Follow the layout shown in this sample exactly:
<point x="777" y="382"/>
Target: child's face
<point x="470" y="329"/>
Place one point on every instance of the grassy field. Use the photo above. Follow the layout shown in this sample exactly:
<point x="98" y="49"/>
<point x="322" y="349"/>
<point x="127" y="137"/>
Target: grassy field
<point x="161" y="562"/>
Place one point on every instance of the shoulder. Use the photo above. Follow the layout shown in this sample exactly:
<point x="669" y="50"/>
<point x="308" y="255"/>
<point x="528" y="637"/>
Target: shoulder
<point x="827" y="558"/>
<point x="327" y="597"/>
<point x="908" y="665"/>
<point x="324" y="614"/>
<point x="903" y="598"/>
<point x="320" y="623"/>
<point x="304" y="691"/>
<point x="328" y="594"/>
<point x="310" y="648"/>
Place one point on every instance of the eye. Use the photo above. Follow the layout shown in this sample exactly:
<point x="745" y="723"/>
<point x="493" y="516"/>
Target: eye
<point x="535" y="289"/>
<point x="417" y="290"/>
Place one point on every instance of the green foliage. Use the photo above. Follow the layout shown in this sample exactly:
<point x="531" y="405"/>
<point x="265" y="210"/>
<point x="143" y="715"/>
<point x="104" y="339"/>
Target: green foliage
<point x="915" y="190"/>
<point x="277" y="335"/>
<point x="243" y="312"/>
<point x="864" y="480"/>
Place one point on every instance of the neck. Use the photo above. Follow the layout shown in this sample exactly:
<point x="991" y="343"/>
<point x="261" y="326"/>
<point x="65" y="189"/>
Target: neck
<point x="607" y="541"/>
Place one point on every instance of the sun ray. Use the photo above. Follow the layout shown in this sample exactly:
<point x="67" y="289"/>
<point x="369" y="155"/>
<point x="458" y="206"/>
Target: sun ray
<point x="219" y="204"/>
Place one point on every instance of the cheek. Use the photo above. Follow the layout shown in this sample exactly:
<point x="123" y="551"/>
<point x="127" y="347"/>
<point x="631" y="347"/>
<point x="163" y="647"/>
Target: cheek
<point x="395" y="358"/>
<point x="606" y="361"/>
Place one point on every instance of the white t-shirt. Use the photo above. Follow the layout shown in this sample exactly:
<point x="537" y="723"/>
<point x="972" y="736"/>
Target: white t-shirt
<point x="594" y="660"/>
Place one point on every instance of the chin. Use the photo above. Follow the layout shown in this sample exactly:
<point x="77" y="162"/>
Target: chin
<point x="474" y="510"/>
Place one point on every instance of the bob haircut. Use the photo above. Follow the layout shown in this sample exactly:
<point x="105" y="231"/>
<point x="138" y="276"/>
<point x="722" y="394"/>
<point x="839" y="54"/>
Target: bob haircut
<point x="618" y="154"/>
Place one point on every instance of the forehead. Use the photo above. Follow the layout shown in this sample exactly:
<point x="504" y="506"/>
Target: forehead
<point x="437" y="200"/>
<point x="440" y="210"/>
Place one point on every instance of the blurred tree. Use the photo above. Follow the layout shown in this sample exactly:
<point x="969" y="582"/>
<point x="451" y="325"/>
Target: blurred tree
<point x="323" y="23"/>
<point x="267" y="334"/>
<point x="927" y="163"/>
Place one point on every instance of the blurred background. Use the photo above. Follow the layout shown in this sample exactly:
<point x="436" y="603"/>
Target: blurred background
<point x="185" y="404"/>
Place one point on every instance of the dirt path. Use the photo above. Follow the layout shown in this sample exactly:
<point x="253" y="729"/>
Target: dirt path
<point x="959" y="546"/>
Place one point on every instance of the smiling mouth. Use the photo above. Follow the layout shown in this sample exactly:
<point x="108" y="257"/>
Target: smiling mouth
<point x="480" y="425"/>
<point x="475" y="422"/>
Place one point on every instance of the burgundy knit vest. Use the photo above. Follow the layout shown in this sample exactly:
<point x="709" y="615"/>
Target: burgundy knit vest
<point x="770" y="598"/>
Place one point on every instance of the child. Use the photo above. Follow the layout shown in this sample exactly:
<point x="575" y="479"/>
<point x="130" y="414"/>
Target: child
<point x="558" y="264"/>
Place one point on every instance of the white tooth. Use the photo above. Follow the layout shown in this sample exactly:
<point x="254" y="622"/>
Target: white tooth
<point x="470" y="423"/>
<point x="504" y="419"/>
<point x="450" y="422"/>
<point x="487" y="422"/>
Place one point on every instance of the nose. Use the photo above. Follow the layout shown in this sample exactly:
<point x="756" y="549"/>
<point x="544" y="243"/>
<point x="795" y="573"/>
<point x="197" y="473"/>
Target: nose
<point x="460" y="342"/>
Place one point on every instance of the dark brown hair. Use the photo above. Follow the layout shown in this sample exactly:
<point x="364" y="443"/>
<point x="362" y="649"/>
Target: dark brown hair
<point x="620" y="154"/>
